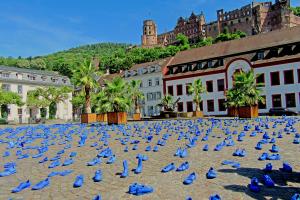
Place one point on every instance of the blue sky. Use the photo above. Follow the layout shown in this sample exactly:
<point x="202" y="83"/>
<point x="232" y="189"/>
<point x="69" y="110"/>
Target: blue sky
<point x="39" y="27"/>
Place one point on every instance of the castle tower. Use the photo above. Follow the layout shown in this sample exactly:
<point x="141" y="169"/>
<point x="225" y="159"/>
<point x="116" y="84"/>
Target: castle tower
<point x="149" y="37"/>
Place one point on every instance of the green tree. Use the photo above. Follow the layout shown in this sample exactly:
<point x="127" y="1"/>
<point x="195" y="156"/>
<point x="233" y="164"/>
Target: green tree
<point x="167" y="103"/>
<point x="183" y="42"/>
<point x="296" y="10"/>
<point x="197" y="89"/>
<point x="205" y="42"/>
<point x="86" y="77"/>
<point x="136" y="94"/>
<point x="23" y="63"/>
<point x="99" y="100"/>
<point x="7" y="97"/>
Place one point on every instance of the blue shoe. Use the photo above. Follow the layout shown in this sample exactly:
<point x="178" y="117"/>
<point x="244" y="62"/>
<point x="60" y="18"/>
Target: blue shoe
<point x="148" y="148"/>
<point x="274" y="157"/>
<point x="21" y="187"/>
<point x="155" y="149"/>
<point x="73" y="154"/>
<point x="237" y="152"/>
<point x="274" y="149"/>
<point x="254" y="186"/>
<point x="98" y="176"/>
<point x="41" y="184"/>
<point x="139" y="189"/>
<point x="178" y="151"/>
<point x="111" y="160"/>
<point x="184" y="166"/>
<point x="98" y="197"/>
<point x="53" y="174"/>
<point x="183" y="153"/>
<point x="286" y="167"/>
<point x="205" y="148"/>
<point x="268" y="168"/>
<point x="44" y="160"/>
<point x="8" y="172"/>
<point x="215" y="197"/>
<point x="190" y="179"/>
<point x="168" y="168"/>
<point x="126" y="149"/>
<point x="264" y="156"/>
<point x="259" y="146"/>
<point x="139" y="167"/>
<point x="125" y="169"/>
<point x="268" y="181"/>
<point x="68" y="162"/>
<point x="37" y="155"/>
<point x="273" y="140"/>
<point x="211" y="174"/>
<point x="236" y="165"/>
<point x="54" y="164"/>
<point x="296" y="197"/>
<point x="65" y="173"/>
<point x="79" y="181"/>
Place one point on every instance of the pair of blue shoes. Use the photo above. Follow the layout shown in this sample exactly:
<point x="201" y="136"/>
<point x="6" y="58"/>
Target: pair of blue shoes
<point x="8" y="171"/>
<point x="42" y="184"/>
<point x="139" y="189"/>
<point x="21" y="187"/>
<point x="184" y="166"/>
<point x="232" y="163"/>
<point x="168" y="168"/>
<point x="240" y="153"/>
<point x="78" y="181"/>
<point x="98" y="176"/>
<point x="94" y="162"/>
<point x="190" y="179"/>
<point x="254" y="185"/>
<point x="211" y="174"/>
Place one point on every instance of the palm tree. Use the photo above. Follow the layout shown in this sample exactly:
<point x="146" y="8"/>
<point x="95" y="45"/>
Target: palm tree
<point x="118" y="97"/>
<point x="86" y="76"/>
<point x="99" y="100"/>
<point x="197" y="89"/>
<point x="167" y="103"/>
<point x="136" y="94"/>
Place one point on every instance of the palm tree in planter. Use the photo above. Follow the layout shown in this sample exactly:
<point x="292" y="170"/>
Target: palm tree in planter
<point x="99" y="100"/>
<point x="118" y="101"/>
<point x="249" y="94"/>
<point x="136" y="96"/>
<point x="168" y="105"/>
<point x="85" y="76"/>
<point x="197" y="89"/>
<point x="233" y="102"/>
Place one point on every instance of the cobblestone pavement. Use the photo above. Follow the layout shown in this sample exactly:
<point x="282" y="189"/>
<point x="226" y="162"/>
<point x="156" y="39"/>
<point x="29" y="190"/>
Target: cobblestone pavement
<point x="230" y="183"/>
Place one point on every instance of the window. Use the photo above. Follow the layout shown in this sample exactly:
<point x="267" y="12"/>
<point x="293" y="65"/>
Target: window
<point x="187" y="89"/>
<point x="221" y="85"/>
<point x="262" y="105"/>
<point x="209" y="64"/>
<point x="298" y="75"/>
<point x="149" y="82"/>
<point x="157" y="81"/>
<point x="221" y="103"/>
<point x="189" y="106"/>
<point x="209" y="86"/>
<point x="6" y="87"/>
<point x="141" y="85"/>
<point x="290" y="100"/>
<point x="20" y="111"/>
<point x="288" y="77"/>
<point x="170" y="90"/>
<point x="44" y="78"/>
<point x="5" y="75"/>
<point x="149" y="97"/>
<point x="179" y="90"/>
<point x="158" y="95"/>
<point x="30" y="77"/>
<point x="260" y="55"/>
<point x="276" y="101"/>
<point x="260" y="79"/>
<point x="275" y="78"/>
<point x="20" y="89"/>
<point x="210" y="106"/>
<point x="180" y="107"/>
<point x="150" y="111"/>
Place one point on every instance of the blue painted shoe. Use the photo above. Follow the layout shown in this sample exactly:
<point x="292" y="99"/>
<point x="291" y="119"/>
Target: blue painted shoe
<point x="215" y="197"/>
<point x="183" y="153"/>
<point x="68" y="162"/>
<point x="168" y="168"/>
<point x="155" y="149"/>
<point x="98" y="176"/>
<point x="54" y="164"/>
<point x="236" y="165"/>
<point x="272" y="141"/>
<point x="264" y="156"/>
<point x="44" y="160"/>
<point x="78" y="181"/>
<point x="254" y="185"/>
<point x="268" y="181"/>
<point x="139" y="189"/>
<point x="8" y="171"/>
<point x="211" y="174"/>
<point x="135" y="147"/>
<point x="190" y="179"/>
<point x="258" y="146"/>
<point x="73" y="154"/>
<point x="184" y="166"/>
<point x="42" y="184"/>
<point x="37" y="155"/>
<point x="274" y="149"/>
<point x="65" y="172"/>
<point x="178" y="151"/>
<point x="274" y="157"/>
<point x="205" y="148"/>
<point x="21" y="187"/>
<point x="53" y="174"/>
<point x="139" y="168"/>
<point x="98" y="197"/>
<point x="286" y="167"/>
<point x="268" y="168"/>
<point x="296" y="197"/>
<point x="148" y="148"/>
<point x="126" y="149"/>
<point x="237" y="152"/>
<point x="112" y="159"/>
<point x="125" y="169"/>
<point x="189" y="198"/>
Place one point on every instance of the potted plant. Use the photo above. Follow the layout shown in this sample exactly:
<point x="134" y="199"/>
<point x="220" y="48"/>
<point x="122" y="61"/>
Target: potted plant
<point x="197" y="89"/>
<point x="248" y="94"/>
<point x="136" y="96"/>
<point x="118" y="101"/>
<point x="168" y="105"/>
<point x="233" y="102"/>
<point x="85" y="77"/>
<point x="100" y="98"/>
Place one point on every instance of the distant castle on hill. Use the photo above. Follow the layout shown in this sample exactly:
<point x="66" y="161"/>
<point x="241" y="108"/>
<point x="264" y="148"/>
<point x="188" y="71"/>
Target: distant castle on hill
<point x="255" y="18"/>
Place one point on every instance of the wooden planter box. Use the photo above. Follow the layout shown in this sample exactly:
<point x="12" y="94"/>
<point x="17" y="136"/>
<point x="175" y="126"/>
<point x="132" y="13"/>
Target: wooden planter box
<point x="102" y="117"/>
<point x="117" y="118"/>
<point x="233" y="112"/>
<point x="137" y="116"/>
<point x="198" y="114"/>
<point x="169" y="114"/>
<point x="248" y="112"/>
<point x="88" y="118"/>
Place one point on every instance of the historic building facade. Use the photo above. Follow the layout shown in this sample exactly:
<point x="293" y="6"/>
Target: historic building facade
<point x="21" y="81"/>
<point x="275" y="55"/>
<point x="252" y="19"/>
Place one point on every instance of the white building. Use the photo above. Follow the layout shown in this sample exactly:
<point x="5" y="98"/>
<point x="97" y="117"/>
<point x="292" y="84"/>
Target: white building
<point x="150" y="75"/>
<point x="21" y="81"/>
<point x="275" y="55"/>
